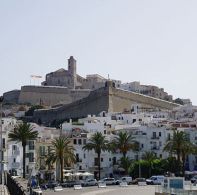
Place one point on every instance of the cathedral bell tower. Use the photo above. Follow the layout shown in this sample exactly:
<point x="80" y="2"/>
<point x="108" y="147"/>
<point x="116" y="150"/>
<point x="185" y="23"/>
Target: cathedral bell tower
<point x="72" y="66"/>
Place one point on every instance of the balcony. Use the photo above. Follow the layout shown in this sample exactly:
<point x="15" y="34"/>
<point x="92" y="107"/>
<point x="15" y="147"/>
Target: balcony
<point x="15" y="165"/>
<point x="155" y="148"/>
<point x="15" y="152"/>
<point x="154" y="137"/>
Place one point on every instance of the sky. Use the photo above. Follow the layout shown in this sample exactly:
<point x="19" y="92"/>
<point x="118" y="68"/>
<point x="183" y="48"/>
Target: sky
<point x="151" y="41"/>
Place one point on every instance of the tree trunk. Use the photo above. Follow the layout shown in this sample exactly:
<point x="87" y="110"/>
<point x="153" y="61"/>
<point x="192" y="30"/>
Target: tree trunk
<point x="24" y="158"/>
<point x="150" y="170"/>
<point x="183" y="165"/>
<point x="99" y="164"/>
<point x="179" y="161"/>
<point x="61" y="170"/>
<point x="124" y="154"/>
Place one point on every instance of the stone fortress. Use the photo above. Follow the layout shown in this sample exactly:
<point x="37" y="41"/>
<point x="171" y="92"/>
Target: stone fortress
<point x="61" y="87"/>
<point x="66" y="86"/>
<point x="66" y="94"/>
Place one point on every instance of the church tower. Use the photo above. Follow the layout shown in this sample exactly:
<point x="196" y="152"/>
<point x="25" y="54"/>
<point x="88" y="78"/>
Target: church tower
<point x="72" y="66"/>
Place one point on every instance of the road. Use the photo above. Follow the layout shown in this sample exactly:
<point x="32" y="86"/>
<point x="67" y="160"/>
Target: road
<point x="110" y="190"/>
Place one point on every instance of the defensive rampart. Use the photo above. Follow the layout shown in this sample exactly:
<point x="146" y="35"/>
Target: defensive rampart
<point x="50" y="96"/>
<point x="107" y="99"/>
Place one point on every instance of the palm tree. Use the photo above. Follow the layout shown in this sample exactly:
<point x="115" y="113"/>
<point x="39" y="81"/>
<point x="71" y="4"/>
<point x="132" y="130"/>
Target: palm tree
<point x="124" y="142"/>
<point x="126" y="164"/>
<point x="181" y="146"/>
<point x="22" y="133"/>
<point x="62" y="153"/>
<point x="149" y="157"/>
<point x="98" y="143"/>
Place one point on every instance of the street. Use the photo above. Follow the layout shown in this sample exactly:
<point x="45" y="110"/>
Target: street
<point x="110" y="190"/>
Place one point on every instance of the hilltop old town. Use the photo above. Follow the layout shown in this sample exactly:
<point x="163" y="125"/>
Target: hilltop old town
<point x="75" y="128"/>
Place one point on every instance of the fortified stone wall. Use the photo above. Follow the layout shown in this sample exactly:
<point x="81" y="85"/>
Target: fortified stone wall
<point x="96" y="102"/>
<point x="121" y="100"/>
<point x="107" y="99"/>
<point x="11" y="96"/>
<point x="50" y="96"/>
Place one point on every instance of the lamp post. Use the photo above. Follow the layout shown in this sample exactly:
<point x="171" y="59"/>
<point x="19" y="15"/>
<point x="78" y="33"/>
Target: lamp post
<point x="1" y="139"/>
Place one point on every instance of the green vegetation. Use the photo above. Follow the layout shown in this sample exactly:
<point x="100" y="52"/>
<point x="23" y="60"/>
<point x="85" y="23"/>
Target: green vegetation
<point x="98" y="143"/>
<point x="150" y="158"/>
<point x="31" y="110"/>
<point x="181" y="147"/>
<point x="124" y="142"/>
<point x="62" y="153"/>
<point x="22" y="133"/>
<point x="178" y="101"/>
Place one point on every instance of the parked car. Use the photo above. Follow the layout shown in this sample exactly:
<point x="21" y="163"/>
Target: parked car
<point x="69" y="184"/>
<point x="89" y="182"/>
<point x="58" y="189"/>
<point x="194" y="179"/>
<point x="52" y="184"/>
<point x="36" y="191"/>
<point x="108" y="181"/>
<point x="127" y="179"/>
<point x="136" y="180"/>
<point x="155" y="180"/>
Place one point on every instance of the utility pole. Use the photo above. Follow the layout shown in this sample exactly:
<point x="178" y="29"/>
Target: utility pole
<point x="1" y="139"/>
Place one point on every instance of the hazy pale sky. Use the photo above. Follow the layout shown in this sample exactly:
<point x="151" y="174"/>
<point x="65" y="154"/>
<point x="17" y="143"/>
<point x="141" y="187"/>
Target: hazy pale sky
<point x="151" y="41"/>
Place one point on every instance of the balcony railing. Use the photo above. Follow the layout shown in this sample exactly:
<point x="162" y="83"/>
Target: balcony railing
<point x="155" y="148"/>
<point x="154" y="137"/>
<point x="15" y="152"/>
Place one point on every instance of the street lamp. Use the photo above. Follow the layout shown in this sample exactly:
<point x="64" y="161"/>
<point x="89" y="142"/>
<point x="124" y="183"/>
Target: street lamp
<point x="1" y="139"/>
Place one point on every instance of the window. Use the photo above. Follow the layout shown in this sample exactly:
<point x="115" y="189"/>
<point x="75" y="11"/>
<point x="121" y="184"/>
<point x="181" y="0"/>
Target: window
<point x="154" y="134"/>
<point x="109" y="159"/>
<point x="134" y="120"/>
<point x="31" y="145"/>
<point x="14" y="160"/>
<point x="27" y="169"/>
<point x="77" y="157"/>
<point x="14" y="147"/>
<point x="84" y="142"/>
<point x="160" y="155"/>
<point x="101" y="159"/>
<point x="84" y="155"/>
<point x="75" y="141"/>
<point x="114" y="160"/>
<point x="79" y="141"/>
<point x="159" y="134"/>
<point x="142" y="145"/>
<point x="3" y="143"/>
<point x="31" y="157"/>
<point x="42" y="150"/>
